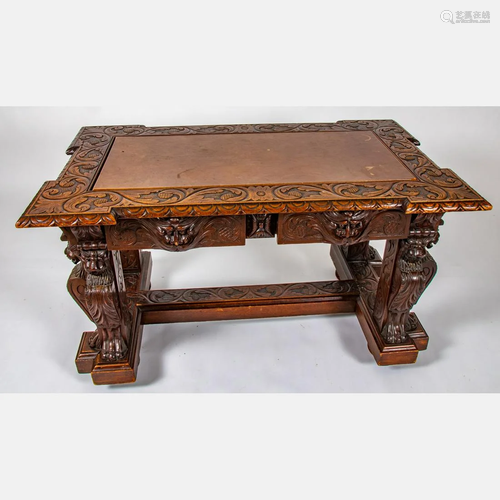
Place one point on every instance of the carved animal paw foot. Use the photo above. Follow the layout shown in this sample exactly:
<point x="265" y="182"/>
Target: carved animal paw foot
<point x="113" y="350"/>
<point x="394" y="333"/>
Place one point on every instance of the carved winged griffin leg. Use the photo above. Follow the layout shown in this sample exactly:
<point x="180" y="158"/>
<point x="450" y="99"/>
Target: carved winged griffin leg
<point x="407" y="270"/>
<point x="101" y="296"/>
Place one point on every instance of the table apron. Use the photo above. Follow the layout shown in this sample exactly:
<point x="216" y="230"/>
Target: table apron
<point x="184" y="233"/>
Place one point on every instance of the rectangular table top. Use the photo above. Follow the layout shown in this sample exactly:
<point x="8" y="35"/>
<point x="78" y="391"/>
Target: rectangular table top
<point x="248" y="159"/>
<point x="136" y="171"/>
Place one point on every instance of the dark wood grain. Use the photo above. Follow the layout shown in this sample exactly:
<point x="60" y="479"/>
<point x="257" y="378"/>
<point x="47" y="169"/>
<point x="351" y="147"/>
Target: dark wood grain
<point x="364" y="272"/>
<point x="406" y="271"/>
<point x="344" y="228"/>
<point x="244" y="302"/>
<point x="130" y="188"/>
<point x="177" y="234"/>
<point x="124" y="370"/>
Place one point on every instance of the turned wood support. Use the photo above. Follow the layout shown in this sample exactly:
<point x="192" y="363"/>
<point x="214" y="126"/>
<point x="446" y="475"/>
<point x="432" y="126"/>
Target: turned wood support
<point x="407" y="269"/>
<point x="97" y="284"/>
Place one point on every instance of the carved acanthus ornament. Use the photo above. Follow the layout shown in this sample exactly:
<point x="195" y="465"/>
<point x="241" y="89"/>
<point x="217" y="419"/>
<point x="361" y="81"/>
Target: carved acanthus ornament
<point x="413" y="270"/>
<point x="177" y="234"/>
<point x="342" y="228"/>
<point x="102" y="292"/>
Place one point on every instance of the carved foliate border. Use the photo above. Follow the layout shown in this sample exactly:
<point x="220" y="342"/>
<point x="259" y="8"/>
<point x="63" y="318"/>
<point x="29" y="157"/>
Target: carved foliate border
<point x="239" y="293"/>
<point x="69" y="200"/>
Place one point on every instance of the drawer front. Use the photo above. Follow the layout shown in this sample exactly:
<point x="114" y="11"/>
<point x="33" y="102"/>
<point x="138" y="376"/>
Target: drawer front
<point x="342" y="228"/>
<point x="177" y="234"/>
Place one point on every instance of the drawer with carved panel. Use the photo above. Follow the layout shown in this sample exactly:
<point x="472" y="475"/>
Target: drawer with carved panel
<point x="342" y="227"/>
<point x="177" y="233"/>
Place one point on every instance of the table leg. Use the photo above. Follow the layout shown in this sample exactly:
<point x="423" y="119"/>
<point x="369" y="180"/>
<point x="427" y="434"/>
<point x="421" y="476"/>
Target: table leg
<point x="99" y="283"/>
<point x="388" y="289"/>
<point x="407" y="270"/>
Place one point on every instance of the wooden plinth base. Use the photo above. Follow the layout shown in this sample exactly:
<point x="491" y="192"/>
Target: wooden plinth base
<point x="366" y="275"/>
<point x="123" y="371"/>
<point x="384" y="353"/>
<point x="86" y="356"/>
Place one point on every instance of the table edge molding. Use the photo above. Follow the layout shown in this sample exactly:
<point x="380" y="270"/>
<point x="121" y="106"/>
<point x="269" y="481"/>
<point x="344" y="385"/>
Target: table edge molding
<point x="70" y="201"/>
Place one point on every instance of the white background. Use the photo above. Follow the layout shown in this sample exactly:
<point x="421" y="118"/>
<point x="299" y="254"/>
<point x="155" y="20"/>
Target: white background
<point x="163" y="62"/>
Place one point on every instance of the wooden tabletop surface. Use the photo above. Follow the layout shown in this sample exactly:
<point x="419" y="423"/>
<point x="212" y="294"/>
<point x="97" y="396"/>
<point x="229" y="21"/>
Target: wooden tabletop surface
<point x="136" y="171"/>
<point x="248" y="159"/>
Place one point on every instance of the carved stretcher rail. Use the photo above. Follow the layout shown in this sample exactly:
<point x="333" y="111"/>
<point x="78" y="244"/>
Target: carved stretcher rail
<point x="285" y="291"/>
<point x="235" y="302"/>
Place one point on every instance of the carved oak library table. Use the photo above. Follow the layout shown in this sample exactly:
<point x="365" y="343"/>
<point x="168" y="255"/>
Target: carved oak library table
<point x="126" y="189"/>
